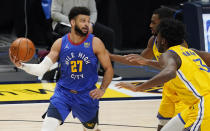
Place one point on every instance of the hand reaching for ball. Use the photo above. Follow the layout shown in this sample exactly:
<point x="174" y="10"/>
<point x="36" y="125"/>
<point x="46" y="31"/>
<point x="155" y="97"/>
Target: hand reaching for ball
<point x="21" y="50"/>
<point x="14" y="60"/>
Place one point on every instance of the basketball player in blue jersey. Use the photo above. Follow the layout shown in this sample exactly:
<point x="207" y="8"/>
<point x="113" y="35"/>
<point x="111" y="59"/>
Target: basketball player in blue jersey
<point x="170" y="103"/>
<point x="78" y="53"/>
<point x="189" y="74"/>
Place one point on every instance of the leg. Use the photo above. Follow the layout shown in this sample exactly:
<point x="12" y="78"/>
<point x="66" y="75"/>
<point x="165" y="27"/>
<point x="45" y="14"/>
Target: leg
<point x="175" y="124"/>
<point x="166" y="109"/>
<point x="87" y="111"/>
<point x="52" y="119"/>
<point x="170" y="105"/>
<point x="57" y="111"/>
<point x="91" y="125"/>
<point x="50" y="124"/>
<point x="161" y="123"/>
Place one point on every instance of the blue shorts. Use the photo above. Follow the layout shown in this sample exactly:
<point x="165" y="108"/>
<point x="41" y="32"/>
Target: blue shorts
<point x="81" y="104"/>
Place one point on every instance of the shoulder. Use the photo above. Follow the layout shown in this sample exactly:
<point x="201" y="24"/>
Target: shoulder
<point x="152" y="38"/>
<point x="57" y="44"/>
<point x="195" y="50"/>
<point x="97" y="42"/>
<point x="173" y="57"/>
<point x="98" y="45"/>
<point x="151" y="41"/>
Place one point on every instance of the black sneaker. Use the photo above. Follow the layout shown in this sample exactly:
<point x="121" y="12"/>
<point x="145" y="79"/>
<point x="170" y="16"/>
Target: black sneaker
<point x="115" y="77"/>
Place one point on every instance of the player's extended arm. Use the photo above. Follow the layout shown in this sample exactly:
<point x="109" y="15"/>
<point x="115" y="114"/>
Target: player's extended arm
<point x="170" y="63"/>
<point x="146" y="56"/>
<point x="122" y="59"/>
<point x="204" y="55"/>
<point x="44" y="66"/>
<point x="146" y="53"/>
<point x="139" y="60"/>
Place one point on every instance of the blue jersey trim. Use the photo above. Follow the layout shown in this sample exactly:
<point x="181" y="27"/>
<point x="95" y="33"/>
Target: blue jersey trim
<point x="172" y="51"/>
<point x="163" y="118"/>
<point x="181" y="118"/>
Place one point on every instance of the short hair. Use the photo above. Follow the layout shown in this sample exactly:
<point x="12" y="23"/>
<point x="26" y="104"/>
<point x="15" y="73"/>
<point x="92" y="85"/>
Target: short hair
<point x="164" y="13"/>
<point x="77" y="10"/>
<point x="172" y="30"/>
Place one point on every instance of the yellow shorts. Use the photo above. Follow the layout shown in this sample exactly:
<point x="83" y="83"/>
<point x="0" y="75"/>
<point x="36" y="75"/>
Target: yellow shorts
<point x="198" y="115"/>
<point x="170" y="104"/>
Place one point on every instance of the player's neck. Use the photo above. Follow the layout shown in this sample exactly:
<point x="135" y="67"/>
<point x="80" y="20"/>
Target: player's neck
<point x="75" y="38"/>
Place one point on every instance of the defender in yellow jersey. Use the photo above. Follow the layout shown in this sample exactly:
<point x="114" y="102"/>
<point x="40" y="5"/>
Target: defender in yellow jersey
<point x="189" y="75"/>
<point x="170" y="104"/>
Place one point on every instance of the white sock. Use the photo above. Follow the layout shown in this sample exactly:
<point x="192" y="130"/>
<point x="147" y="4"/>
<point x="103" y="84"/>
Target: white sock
<point x="175" y="124"/>
<point x="50" y="124"/>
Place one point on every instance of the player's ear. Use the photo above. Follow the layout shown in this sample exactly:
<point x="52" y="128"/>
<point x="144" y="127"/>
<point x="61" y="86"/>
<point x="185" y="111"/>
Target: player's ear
<point x="72" y="22"/>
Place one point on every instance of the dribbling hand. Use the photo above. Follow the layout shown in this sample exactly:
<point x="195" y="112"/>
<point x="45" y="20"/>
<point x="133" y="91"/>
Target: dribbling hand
<point x="14" y="60"/>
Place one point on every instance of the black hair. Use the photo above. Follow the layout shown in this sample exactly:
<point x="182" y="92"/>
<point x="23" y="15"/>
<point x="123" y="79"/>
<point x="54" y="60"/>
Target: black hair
<point x="164" y="13"/>
<point x="172" y="30"/>
<point x="75" y="11"/>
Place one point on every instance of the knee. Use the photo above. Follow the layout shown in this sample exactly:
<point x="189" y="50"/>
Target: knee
<point x="50" y="124"/>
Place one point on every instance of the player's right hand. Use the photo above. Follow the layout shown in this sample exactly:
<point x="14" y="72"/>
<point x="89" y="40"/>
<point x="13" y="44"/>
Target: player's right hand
<point x="14" y="60"/>
<point x="97" y="93"/>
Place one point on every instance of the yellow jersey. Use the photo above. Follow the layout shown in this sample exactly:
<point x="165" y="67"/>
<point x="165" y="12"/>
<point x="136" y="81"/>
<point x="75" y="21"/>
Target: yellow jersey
<point x="156" y="53"/>
<point x="193" y="79"/>
<point x="171" y="104"/>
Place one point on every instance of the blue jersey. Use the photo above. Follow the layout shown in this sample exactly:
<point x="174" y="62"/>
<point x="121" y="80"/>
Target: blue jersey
<point x="78" y="64"/>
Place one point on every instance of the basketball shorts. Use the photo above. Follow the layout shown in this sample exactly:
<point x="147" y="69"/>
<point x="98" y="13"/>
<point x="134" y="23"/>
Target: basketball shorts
<point x="80" y="104"/>
<point x="170" y="104"/>
<point x="197" y="116"/>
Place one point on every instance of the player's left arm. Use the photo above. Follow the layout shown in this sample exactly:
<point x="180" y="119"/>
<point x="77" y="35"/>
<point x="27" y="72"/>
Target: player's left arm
<point x="170" y="63"/>
<point x="103" y="57"/>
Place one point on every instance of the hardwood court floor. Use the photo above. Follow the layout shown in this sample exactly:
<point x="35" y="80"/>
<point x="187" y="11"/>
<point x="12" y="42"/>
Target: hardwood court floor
<point x="130" y="115"/>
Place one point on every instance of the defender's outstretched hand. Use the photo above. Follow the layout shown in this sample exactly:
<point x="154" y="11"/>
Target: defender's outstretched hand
<point x="135" y="58"/>
<point x="126" y="85"/>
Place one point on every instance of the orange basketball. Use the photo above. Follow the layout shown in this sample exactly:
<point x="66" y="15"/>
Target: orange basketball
<point x="22" y="49"/>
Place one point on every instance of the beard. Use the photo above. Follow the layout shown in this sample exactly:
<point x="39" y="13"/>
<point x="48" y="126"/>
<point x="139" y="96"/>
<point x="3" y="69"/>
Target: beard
<point x="79" y="31"/>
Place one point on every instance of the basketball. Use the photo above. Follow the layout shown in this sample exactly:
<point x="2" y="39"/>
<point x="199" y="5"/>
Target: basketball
<point x="22" y="49"/>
